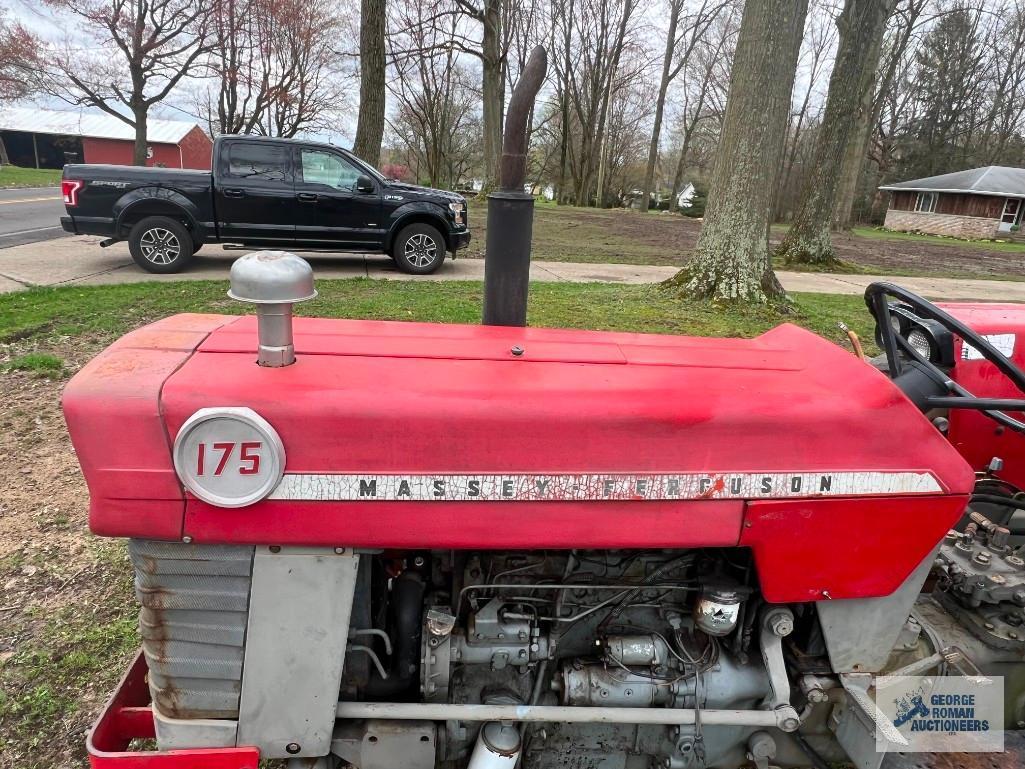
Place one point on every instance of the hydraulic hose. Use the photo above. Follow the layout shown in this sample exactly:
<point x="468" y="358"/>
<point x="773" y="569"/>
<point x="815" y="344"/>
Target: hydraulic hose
<point x="999" y="499"/>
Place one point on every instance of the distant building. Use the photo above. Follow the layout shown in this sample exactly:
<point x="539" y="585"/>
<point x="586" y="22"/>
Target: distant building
<point x="656" y="200"/>
<point x="40" y="138"/>
<point x="686" y="197"/>
<point x="978" y="203"/>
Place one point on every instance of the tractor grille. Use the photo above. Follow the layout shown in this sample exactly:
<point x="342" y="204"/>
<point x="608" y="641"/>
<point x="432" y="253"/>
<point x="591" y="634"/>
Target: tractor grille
<point x="195" y="602"/>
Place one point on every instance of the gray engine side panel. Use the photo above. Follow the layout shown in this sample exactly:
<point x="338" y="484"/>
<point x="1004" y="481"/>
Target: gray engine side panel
<point x="860" y="633"/>
<point x="295" y="643"/>
<point x="194" y="602"/>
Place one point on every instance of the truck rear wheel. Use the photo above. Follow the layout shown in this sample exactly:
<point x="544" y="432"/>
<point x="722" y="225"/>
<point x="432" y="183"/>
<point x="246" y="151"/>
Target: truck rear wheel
<point x="419" y="249"/>
<point x="161" y="245"/>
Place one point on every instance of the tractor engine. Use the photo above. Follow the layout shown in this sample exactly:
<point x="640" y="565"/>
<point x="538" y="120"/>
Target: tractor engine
<point x="586" y="629"/>
<point x="387" y="545"/>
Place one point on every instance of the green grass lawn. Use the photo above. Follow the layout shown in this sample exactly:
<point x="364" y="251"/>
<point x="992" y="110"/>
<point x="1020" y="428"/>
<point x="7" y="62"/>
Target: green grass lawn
<point x="13" y="176"/>
<point x="878" y="233"/>
<point x="103" y="312"/>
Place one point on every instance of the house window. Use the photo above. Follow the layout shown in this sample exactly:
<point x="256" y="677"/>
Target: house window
<point x="925" y="203"/>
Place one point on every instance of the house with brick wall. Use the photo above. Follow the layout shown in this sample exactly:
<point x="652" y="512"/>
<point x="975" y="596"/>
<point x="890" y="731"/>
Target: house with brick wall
<point x="978" y="203"/>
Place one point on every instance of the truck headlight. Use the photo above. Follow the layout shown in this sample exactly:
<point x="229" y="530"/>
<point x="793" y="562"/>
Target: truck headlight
<point x="458" y="212"/>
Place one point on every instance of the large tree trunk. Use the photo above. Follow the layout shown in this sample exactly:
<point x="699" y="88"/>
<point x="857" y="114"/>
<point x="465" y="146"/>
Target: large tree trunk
<point x="139" y="151"/>
<point x="861" y="24"/>
<point x="493" y="90"/>
<point x="4" y="160"/>
<point x="731" y="261"/>
<point x="663" y="86"/>
<point x="370" y="126"/>
<point x="853" y="162"/>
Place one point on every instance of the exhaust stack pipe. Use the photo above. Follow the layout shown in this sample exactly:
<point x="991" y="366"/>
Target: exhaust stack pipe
<point x="273" y="281"/>
<point x="511" y="210"/>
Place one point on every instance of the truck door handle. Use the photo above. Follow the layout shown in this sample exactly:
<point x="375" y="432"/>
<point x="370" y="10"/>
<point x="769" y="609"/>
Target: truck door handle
<point x="234" y="193"/>
<point x="306" y="197"/>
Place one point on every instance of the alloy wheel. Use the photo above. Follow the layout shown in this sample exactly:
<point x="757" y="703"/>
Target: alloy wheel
<point x="420" y="250"/>
<point x="159" y="246"/>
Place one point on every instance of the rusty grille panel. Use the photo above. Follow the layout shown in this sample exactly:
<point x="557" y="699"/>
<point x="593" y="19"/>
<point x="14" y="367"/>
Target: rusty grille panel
<point x="194" y="602"/>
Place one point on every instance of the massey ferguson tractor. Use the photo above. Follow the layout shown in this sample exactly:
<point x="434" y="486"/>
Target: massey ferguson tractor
<point x="417" y="546"/>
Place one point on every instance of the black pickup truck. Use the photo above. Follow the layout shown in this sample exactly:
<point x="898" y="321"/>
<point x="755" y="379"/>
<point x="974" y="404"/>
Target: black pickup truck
<point x="264" y="193"/>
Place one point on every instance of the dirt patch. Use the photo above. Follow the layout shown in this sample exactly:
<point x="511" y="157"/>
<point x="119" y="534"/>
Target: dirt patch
<point x="66" y="615"/>
<point x="904" y="257"/>
<point x="600" y="236"/>
<point x="46" y="484"/>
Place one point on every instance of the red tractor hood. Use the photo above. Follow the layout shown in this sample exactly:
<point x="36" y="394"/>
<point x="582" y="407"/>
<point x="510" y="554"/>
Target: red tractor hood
<point x="784" y="443"/>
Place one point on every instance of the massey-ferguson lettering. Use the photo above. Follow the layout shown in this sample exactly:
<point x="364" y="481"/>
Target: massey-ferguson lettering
<point x="413" y="546"/>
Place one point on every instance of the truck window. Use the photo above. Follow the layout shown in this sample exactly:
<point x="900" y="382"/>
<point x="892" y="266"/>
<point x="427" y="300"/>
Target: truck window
<point x="258" y="162"/>
<point x="328" y="168"/>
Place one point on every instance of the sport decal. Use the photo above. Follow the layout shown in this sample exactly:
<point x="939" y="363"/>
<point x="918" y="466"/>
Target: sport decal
<point x="598" y="487"/>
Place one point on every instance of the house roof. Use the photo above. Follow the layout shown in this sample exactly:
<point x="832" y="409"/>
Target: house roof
<point x="93" y="124"/>
<point x="988" y="180"/>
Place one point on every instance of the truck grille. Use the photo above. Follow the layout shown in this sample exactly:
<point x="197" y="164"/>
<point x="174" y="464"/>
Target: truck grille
<point x="194" y="602"/>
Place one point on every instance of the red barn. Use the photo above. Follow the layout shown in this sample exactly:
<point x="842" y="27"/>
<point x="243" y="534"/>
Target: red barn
<point x="39" y="138"/>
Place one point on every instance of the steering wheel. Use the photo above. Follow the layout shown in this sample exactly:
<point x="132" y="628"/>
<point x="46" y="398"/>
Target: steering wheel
<point x="940" y="391"/>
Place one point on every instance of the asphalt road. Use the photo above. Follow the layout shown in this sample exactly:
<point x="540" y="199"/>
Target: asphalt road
<point x="30" y="215"/>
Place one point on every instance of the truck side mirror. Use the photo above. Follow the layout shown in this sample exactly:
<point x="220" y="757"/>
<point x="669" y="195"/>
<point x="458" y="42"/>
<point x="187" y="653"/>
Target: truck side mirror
<point x="364" y="184"/>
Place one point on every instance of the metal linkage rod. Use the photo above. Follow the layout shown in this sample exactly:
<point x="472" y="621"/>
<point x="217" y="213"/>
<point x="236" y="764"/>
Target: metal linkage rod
<point x="554" y="713"/>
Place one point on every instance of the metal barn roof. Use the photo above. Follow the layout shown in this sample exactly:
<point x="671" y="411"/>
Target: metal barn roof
<point x="96" y="125"/>
<point x="988" y="180"/>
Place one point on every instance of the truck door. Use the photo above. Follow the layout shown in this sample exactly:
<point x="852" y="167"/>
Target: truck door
<point x="253" y="192"/>
<point x="330" y="210"/>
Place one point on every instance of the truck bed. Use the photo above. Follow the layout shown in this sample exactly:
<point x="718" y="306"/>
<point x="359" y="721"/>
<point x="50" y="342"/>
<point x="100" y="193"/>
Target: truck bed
<point x="107" y="191"/>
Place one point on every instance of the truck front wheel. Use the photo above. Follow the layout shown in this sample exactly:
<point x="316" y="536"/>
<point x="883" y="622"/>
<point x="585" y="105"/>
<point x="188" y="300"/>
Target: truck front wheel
<point x="419" y="249"/>
<point x="161" y="245"/>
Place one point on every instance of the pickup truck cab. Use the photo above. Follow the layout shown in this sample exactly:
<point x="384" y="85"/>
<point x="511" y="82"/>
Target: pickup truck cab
<point x="262" y="193"/>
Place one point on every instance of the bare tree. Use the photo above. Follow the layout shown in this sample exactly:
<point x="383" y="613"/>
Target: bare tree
<point x="731" y="261"/>
<point x="273" y="65"/>
<point x="861" y="24"/>
<point x="370" y="125"/>
<point x="600" y="32"/>
<point x="240" y="67"/>
<point x="304" y="57"/>
<point x="144" y="48"/>
<point x="489" y="17"/>
<point x="562" y="35"/>
<point x="680" y="45"/>
<point x="17" y="55"/>
<point x="714" y="62"/>
<point x="435" y="118"/>
<point x="1003" y="118"/>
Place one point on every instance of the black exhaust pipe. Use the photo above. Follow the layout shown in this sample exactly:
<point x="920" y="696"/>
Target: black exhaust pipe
<point x="511" y="210"/>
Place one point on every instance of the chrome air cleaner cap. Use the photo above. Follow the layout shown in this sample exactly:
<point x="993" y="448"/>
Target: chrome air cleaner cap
<point x="271" y="277"/>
